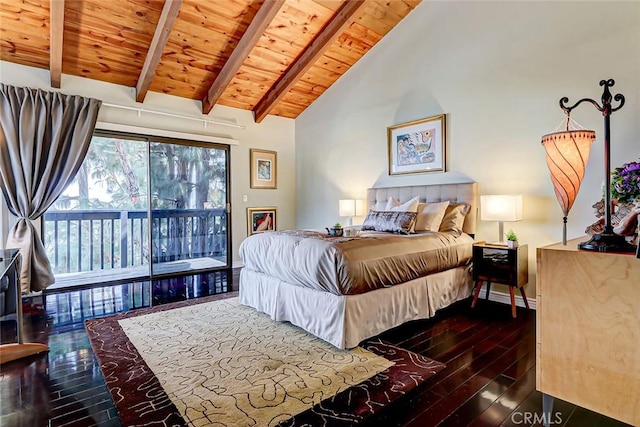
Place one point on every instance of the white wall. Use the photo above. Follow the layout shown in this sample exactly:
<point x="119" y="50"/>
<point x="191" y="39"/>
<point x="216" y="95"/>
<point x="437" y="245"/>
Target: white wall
<point x="498" y="69"/>
<point x="274" y="133"/>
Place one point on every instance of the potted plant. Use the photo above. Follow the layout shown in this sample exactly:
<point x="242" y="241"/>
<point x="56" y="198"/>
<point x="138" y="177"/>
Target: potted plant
<point x="512" y="239"/>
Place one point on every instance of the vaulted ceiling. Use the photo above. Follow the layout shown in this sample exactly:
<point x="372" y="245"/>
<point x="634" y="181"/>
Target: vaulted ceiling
<point x="268" y="56"/>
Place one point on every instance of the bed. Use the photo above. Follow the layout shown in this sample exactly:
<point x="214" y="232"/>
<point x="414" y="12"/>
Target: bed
<point x="347" y="289"/>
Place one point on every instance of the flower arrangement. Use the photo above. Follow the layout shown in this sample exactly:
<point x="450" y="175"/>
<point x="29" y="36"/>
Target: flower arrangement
<point x="625" y="183"/>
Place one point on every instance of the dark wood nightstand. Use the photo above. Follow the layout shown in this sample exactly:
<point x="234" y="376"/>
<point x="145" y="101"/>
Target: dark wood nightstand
<point x="499" y="264"/>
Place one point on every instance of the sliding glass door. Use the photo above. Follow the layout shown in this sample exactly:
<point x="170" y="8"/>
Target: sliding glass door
<point x="188" y="189"/>
<point x="141" y="206"/>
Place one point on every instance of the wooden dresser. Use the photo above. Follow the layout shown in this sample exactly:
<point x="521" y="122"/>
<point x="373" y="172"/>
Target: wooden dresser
<point x="588" y="329"/>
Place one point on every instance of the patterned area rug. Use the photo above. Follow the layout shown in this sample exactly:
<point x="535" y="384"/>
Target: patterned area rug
<point x="213" y="362"/>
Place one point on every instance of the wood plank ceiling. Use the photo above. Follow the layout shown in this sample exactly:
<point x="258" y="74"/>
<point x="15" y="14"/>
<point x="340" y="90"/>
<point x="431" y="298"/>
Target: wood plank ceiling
<point x="268" y="56"/>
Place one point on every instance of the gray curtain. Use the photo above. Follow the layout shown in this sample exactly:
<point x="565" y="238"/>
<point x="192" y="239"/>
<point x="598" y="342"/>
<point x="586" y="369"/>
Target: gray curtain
<point x="44" y="138"/>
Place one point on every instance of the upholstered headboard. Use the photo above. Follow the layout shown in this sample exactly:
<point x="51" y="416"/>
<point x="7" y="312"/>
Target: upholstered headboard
<point x="467" y="192"/>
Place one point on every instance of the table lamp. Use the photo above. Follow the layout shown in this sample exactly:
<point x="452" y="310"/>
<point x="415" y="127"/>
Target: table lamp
<point x="501" y="207"/>
<point x="351" y="208"/>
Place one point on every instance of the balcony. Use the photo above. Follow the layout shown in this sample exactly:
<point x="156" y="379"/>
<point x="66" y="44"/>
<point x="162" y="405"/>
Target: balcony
<point x="87" y="247"/>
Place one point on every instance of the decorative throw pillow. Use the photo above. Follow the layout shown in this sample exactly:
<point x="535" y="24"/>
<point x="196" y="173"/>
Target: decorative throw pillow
<point x="409" y="206"/>
<point x="454" y="218"/>
<point x="430" y="216"/>
<point x="394" y="205"/>
<point x="394" y="222"/>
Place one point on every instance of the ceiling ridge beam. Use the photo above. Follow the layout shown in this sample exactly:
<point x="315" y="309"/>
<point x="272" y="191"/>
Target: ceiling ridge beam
<point x="56" y="34"/>
<point x="167" y="18"/>
<point x="323" y="40"/>
<point x="249" y="39"/>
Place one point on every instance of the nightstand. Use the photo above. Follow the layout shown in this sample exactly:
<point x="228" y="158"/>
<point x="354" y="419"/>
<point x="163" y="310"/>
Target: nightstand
<point x="499" y="264"/>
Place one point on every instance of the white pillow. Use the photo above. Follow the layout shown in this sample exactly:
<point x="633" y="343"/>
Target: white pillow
<point x="395" y="206"/>
<point x="430" y="216"/>
<point x="378" y="206"/>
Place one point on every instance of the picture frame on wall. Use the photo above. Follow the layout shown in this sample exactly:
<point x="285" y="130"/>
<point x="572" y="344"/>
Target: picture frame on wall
<point x="263" y="168"/>
<point x="260" y="220"/>
<point x="418" y="146"/>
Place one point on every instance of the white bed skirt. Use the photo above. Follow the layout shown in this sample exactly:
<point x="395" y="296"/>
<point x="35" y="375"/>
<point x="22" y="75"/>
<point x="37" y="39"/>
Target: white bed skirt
<point x="346" y="320"/>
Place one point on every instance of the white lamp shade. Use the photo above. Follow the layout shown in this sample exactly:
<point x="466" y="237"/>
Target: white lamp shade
<point x="503" y="207"/>
<point x="351" y="207"/>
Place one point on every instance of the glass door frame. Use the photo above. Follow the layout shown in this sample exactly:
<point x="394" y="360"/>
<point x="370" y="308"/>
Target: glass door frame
<point x="191" y="143"/>
<point x="148" y="139"/>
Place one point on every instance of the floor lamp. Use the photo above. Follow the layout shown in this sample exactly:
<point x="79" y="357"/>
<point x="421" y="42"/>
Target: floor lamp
<point x="567" y="155"/>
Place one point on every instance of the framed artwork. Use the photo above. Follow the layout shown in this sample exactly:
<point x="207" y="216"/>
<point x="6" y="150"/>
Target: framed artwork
<point x="263" y="168"/>
<point x="418" y="146"/>
<point x="261" y="219"/>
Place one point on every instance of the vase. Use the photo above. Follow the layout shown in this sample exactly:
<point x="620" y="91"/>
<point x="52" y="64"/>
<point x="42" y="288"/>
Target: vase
<point x="512" y="244"/>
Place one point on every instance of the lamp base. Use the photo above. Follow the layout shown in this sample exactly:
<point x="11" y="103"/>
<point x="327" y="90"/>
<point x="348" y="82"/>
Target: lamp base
<point x="605" y="242"/>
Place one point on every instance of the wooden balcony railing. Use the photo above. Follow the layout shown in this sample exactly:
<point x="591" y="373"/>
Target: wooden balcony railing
<point x="84" y="240"/>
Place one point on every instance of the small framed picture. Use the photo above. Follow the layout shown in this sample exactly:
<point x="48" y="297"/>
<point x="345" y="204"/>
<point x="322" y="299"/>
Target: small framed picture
<point x="260" y="220"/>
<point x="418" y="146"/>
<point x="263" y="168"/>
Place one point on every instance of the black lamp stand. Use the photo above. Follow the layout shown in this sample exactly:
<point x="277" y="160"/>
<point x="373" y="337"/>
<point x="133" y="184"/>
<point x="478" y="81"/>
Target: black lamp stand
<point x="607" y="241"/>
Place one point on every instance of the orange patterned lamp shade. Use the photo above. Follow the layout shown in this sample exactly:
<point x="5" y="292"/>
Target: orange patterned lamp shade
<point x="567" y="156"/>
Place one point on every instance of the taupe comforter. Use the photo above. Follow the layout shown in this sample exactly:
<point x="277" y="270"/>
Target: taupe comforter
<point x="352" y="265"/>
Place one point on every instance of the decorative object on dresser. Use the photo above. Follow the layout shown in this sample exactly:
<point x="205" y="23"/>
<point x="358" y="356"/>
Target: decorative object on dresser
<point x="567" y="155"/>
<point x="625" y="183"/>
<point x="588" y="312"/>
<point x="261" y="219"/>
<point x="625" y="188"/>
<point x="499" y="264"/>
<point x="418" y="146"/>
<point x="624" y="219"/>
<point x="501" y="207"/>
<point x="350" y="208"/>
<point x="263" y="168"/>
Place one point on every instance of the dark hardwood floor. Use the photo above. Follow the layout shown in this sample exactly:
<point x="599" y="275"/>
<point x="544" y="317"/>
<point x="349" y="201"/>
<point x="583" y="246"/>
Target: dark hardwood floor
<point x="489" y="379"/>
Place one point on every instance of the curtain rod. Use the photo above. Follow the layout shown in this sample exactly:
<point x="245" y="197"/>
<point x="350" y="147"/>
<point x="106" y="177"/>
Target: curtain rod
<point x="168" y="133"/>
<point x="162" y="113"/>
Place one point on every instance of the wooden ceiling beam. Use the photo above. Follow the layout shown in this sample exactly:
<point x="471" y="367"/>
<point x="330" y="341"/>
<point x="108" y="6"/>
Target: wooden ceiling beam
<point x="168" y="17"/>
<point x="249" y="39"/>
<point x="323" y="40"/>
<point x="56" y="33"/>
